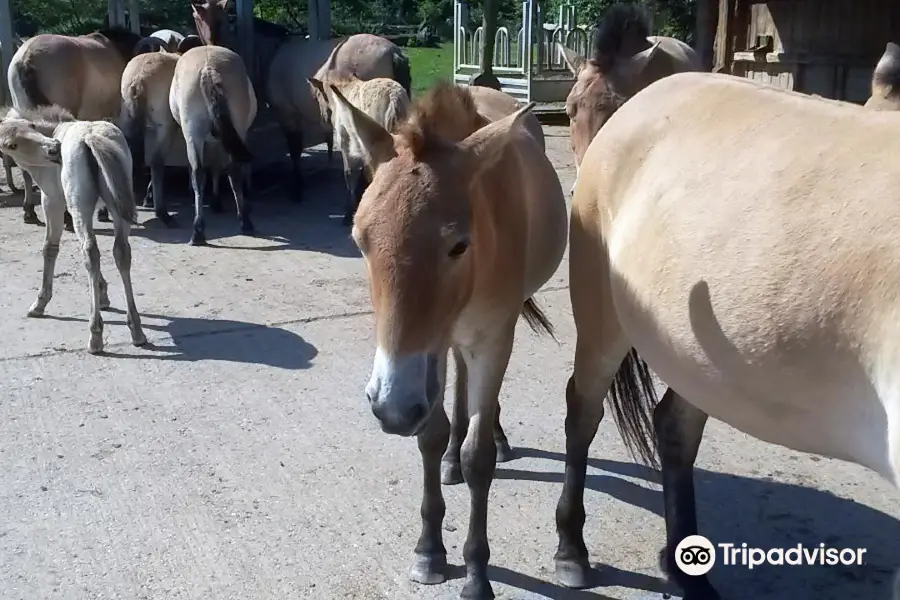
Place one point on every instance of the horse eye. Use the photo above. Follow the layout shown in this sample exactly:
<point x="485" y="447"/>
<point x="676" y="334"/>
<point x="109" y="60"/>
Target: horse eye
<point x="458" y="249"/>
<point x="11" y="146"/>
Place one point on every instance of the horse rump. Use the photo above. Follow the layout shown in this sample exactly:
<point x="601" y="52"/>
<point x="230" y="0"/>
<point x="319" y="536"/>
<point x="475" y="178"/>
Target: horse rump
<point x="111" y="176"/>
<point x="223" y="125"/>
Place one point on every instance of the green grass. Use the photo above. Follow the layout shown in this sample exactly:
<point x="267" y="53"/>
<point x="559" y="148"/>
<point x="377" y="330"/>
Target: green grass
<point x="428" y="65"/>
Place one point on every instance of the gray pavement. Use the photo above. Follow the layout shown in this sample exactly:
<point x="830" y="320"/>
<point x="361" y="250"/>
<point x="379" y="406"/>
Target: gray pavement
<point x="236" y="457"/>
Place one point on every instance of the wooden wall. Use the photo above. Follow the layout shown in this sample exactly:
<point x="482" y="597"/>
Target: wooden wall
<point x="825" y="47"/>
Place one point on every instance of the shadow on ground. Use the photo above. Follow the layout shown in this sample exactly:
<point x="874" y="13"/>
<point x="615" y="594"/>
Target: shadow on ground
<point x="761" y="512"/>
<point x="233" y="341"/>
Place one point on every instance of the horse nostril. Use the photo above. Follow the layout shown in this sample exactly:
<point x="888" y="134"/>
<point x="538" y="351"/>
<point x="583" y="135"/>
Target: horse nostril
<point x="369" y="397"/>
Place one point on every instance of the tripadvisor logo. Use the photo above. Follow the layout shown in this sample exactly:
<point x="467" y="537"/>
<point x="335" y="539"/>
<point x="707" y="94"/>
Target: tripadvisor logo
<point x="695" y="555"/>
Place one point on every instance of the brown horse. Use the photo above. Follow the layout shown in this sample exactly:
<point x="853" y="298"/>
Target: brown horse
<point x="463" y="222"/>
<point x="213" y="101"/>
<point x="285" y="62"/>
<point x="886" y="80"/>
<point x="765" y="296"/>
<point x="79" y="73"/>
<point x="146" y="120"/>
<point x="626" y="59"/>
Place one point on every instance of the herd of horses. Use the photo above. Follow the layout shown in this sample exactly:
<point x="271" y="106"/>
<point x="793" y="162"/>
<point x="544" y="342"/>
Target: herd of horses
<point x="758" y="281"/>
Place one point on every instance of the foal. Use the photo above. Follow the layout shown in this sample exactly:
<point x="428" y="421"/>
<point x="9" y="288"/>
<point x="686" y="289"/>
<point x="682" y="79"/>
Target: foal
<point x="75" y="163"/>
<point x="463" y="222"/>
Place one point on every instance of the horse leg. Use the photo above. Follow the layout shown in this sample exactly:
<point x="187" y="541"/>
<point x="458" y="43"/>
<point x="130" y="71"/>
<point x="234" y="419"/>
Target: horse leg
<point x="487" y="365"/>
<point x="350" y="180"/>
<point x="215" y="202"/>
<point x="84" y="230"/>
<point x="236" y="179"/>
<point x="451" y="469"/>
<point x="31" y="200"/>
<point x="430" y="556"/>
<point x="156" y="189"/>
<point x="7" y="170"/>
<point x="679" y="429"/>
<point x="451" y="472"/>
<point x="149" y="201"/>
<point x="295" y="149"/>
<point x="599" y="351"/>
<point x="198" y="181"/>
<point x="53" y="212"/>
<point x="122" y="255"/>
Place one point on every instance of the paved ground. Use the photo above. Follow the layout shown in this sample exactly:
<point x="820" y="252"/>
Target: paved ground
<point x="236" y="458"/>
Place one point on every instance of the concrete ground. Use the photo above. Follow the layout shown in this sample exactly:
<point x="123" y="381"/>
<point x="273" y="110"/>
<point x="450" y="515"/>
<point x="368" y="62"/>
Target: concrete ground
<point x="236" y="457"/>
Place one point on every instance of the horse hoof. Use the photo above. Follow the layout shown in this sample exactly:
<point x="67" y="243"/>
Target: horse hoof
<point x="504" y="452"/>
<point x="451" y="473"/>
<point x="36" y="312"/>
<point x="429" y="569"/>
<point x="198" y="239"/>
<point x="31" y="218"/>
<point x="574" y="574"/>
<point x="477" y="587"/>
<point x="95" y="346"/>
<point x="139" y="340"/>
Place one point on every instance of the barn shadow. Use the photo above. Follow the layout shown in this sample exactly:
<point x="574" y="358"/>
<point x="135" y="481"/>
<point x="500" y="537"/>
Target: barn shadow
<point x="764" y="514"/>
<point x="215" y="339"/>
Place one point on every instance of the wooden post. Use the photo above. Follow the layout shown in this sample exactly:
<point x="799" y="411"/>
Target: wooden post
<point x="319" y="19"/>
<point x="134" y="16"/>
<point x="245" y="32"/>
<point x="707" y="21"/>
<point x="7" y="45"/>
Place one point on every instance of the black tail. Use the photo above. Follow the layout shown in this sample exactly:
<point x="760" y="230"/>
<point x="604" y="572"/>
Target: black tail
<point x="28" y="79"/>
<point x="402" y="73"/>
<point x="223" y="126"/>
<point x="633" y="398"/>
<point x="536" y="318"/>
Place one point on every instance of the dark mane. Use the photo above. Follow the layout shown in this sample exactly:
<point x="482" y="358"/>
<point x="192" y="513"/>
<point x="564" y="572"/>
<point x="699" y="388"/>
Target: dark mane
<point x="444" y="114"/>
<point x="622" y="30"/>
<point x="123" y="39"/>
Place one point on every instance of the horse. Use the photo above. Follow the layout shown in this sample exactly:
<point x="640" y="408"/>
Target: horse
<point x="79" y="73"/>
<point x="886" y="80"/>
<point x="146" y="120"/>
<point x="75" y="163"/>
<point x="626" y="58"/>
<point x="170" y="39"/>
<point x="767" y="302"/>
<point x="463" y="222"/>
<point x="284" y="62"/>
<point x="382" y="99"/>
<point x="213" y="100"/>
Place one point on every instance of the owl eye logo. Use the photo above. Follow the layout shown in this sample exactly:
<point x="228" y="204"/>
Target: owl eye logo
<point x="695" y="555"/>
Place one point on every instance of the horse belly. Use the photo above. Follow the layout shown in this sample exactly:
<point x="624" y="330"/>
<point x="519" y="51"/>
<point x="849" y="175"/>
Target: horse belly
<point x="825" y="407"/>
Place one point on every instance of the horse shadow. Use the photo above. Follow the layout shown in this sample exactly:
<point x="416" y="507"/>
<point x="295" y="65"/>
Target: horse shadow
<point x="312" y="224"/>
<point x="759" y="512"/>
<point x="202" y="339"/>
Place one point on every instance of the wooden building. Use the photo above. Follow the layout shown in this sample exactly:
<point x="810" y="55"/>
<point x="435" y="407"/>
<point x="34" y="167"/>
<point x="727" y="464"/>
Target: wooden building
<point x="824" y="47"/>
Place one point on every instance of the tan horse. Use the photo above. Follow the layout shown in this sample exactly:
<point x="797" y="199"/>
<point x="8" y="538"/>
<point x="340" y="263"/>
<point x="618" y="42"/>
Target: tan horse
<point x="76" y="163"/>
<point x="767" y="302"/>
<point x="463" y="222"/>
<point x="286" y="62"/>
<point x="626" y="59"/>
<point x="886" y="80"/>
<point x="146" y="120"/>
<point x="383" y="100"/>
<point x="79" y="73"/>
<point x="213" y="101"/>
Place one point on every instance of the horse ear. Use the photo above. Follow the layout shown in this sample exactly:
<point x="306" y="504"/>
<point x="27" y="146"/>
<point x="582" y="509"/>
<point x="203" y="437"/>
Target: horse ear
<point x="887" y="71"/>
<point x="377" y="142"/>
<point x="316" y="83"/>
<point x="640" y="60"/>
<point x="223" y="4"/>
<point x="573" y="60"/>
<point x="486" y="145"/>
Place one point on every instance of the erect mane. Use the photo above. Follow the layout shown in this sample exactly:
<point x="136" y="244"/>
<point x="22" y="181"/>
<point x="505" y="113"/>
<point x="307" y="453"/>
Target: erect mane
<point x="623" y="29"/>
<point x="444" y="114"/>
<point x="123" y="39"/>
<point x="51" y="115"/>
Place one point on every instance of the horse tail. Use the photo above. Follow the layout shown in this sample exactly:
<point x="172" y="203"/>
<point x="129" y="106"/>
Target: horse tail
<point x="27" y="78"/>
<point x="536" y="318"/>
<point x="112" y="175"/>
<point x="223" y="125"/>
<point x="633" y="398"/>
<point x="402" y="73"/>
<point x="397" y="111"/>
<point x="133" y="120"/>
